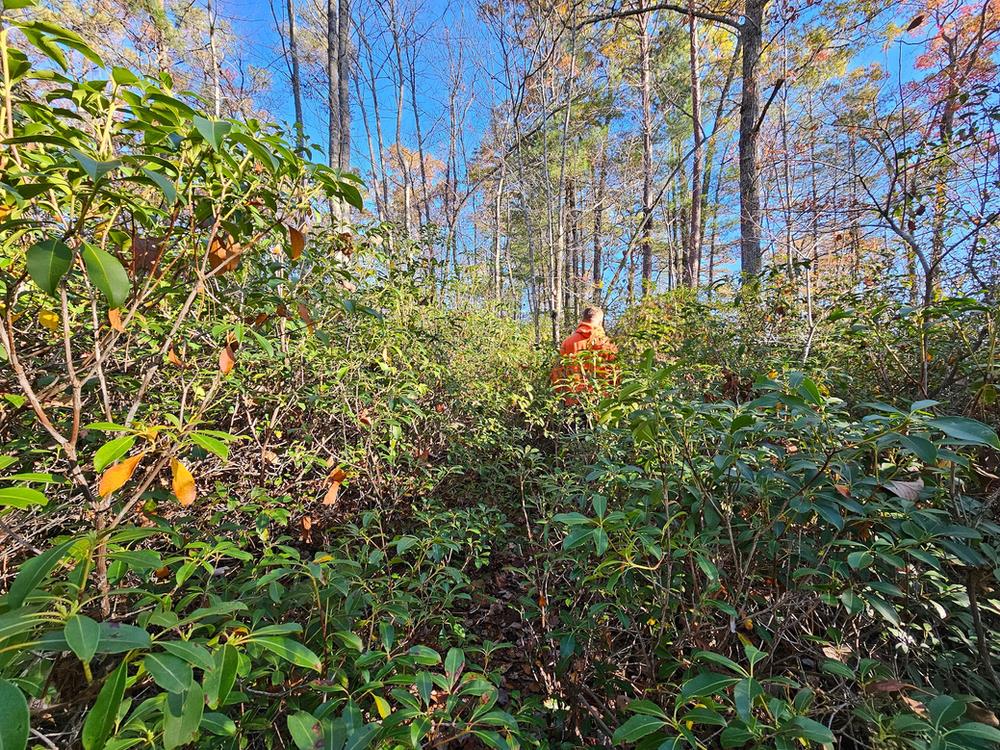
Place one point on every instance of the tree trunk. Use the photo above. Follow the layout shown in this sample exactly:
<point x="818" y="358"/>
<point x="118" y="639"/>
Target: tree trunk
<point x="344" y="82"/>
<point x="293" y="52"/>
<point x="751" y="33"/>
<point x="694" y="235"/>
<point x="333" y="84"/>
<point x="214" y="57"/>
<point x="597" y="270"/>
<point x="647" y="159"/>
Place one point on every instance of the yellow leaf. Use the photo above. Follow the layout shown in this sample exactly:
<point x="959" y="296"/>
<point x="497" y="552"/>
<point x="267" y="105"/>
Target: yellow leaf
<point x="48" y="319"/>
<point x="384" y="709"/>
<point x="183" y="483"/>
<point x="115" y="319"/>
<point x="115" y="477"/>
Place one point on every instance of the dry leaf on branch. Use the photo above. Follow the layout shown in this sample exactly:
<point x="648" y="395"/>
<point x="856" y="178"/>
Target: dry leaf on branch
<point x="146" y="253"/>
<point x="914" y="705"/>
<point x="335" y="479"/>
<point x="115" y="320"/>
<point x="116" y="476"/>
<point x="298" y="242"/>
<point x="905" y="490"/>
<point x="306" y="317"/>
<point x="227" y="357"/>
<point x="887" y="686"/>
<point x="224" y="254"/>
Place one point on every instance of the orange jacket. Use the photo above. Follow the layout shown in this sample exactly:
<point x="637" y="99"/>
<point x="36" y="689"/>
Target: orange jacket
<point x="584" y="358"/>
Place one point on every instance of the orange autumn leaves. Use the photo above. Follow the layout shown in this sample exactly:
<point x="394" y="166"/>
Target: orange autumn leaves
<point x="114" y="478"/>
<point x="224" y="252"/>
<point x="334" y="479"/>
<point x="118" y="475"/>
<point x="183" y="483"/>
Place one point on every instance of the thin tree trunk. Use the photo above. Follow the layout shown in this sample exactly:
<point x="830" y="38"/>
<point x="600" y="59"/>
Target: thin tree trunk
<point x="751" y="33"/>
<point x="647" y="158"/>
<point x="293" y="65"/>
<point x="597" y="270"/>
<point x="343" y="85"/>
<point x="497" y="203"/>
<point x="214" y="57"/>
<point x="694" y="236"/>
<point x="333" y="85"/>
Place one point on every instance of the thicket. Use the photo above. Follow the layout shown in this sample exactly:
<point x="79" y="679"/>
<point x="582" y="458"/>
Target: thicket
<point x="261" y="490"/>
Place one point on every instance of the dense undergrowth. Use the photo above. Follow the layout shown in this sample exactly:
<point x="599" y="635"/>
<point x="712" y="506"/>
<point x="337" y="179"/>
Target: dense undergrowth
<point x="263" y="490"/>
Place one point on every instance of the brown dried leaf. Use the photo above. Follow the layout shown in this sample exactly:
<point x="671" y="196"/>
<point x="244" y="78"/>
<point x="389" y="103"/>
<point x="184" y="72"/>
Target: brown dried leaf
<point x="146" y="253"/>
<point x="306" y="317"/>
<point x="173" y="359"/>
<point x="905" y="490"/>
<point x="227" y="359"/>
<point x="887" y="686"/>
<point x="983" y="715"/>
<point x="914" y="705"/>
<point x="837" y="653"/>
<point x="298" y="242"/>
<point x="115" y="320"/>
<point x="224" y="254"/>
<point x="116" y="476"/>
<point x="916" y="22"/>
<point x="345" y="243"/>
<point x="183" y="483"/>
<point x="336" y="478"/>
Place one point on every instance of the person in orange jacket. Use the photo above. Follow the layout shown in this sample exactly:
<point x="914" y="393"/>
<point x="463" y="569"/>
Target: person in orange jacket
<point x="586" y="357"/>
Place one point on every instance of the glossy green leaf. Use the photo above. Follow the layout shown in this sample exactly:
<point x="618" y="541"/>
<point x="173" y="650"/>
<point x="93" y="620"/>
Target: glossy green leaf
<point x="290" y="651"/>
<point x="94" y="169"/>
<point x="705" y="685"/>
<point x="21" y="497"/>
<point x="809" y="729"/>
<point x="211" y="444"/>
<point x="82" y="636"/>
<point x="14" y="718"/>
<point x="165" y="185"/>
<point x="111" y="451"/>
<point x="220" y="680"/>
<point x="213" y="131"/>
<point x="966" y="430"/>
<point x="350" y="640"/>
<point x="194" y="654"/>
<point x="218" y="724"/>
<point x="34" y="571"/>
<point x="169" y="672"/>
<point x="305" y="730"/>
<point x="107" y="274"/>
<point x="637" y="727"/>
<point x="182" y="714"/>
<point x="47" y="262"/>
<point x="102" y="717"/>
<point x="425" y="656"/>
